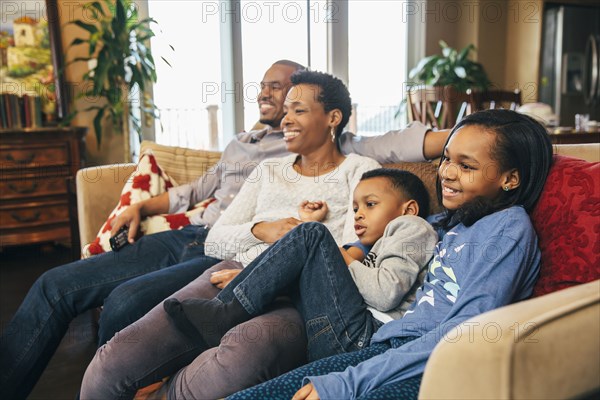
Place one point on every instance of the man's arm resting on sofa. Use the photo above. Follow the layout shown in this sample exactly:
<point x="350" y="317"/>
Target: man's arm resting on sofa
<point x="545" y="347"/>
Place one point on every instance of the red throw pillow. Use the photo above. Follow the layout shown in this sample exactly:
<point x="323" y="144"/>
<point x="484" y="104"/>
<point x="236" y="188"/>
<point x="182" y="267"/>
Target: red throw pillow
<point x="567" y="222"/>
<point x="148" y="180"/>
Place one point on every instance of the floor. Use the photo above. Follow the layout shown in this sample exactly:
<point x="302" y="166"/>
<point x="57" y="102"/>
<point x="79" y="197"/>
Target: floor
<point x="19" y="267"/>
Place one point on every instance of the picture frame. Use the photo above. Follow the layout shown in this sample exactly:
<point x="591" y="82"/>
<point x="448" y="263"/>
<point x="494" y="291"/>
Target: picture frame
<point x="31" y="62"/>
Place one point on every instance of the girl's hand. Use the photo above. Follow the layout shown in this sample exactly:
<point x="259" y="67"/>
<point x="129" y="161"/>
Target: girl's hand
<point x="306" y="392"/>
<point x="312" y="211"/>
<point x="222" y="278"/>
<point x="270" y="232"/>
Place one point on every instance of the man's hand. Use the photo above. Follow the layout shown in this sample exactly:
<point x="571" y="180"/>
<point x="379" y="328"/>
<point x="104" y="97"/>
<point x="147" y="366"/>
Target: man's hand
<point x="130" y="217"/>
<point x="222" y="278"/>
<point x="312" y="211"/>
<point x="270" y="232"/>
<point x="306" y="392"/>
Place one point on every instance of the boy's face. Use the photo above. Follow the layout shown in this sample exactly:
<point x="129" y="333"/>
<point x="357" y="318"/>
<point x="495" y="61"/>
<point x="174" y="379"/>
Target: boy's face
<point x="375" y="204"/>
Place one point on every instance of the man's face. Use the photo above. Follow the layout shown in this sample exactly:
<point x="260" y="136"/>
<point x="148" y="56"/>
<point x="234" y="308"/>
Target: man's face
<point x="274" y="87"/>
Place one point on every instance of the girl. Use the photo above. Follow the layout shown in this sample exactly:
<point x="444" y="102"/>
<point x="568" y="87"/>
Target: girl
<point x="492" y="172"/>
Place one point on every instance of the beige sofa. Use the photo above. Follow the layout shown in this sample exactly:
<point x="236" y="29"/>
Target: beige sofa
<point x="547" y="347"/>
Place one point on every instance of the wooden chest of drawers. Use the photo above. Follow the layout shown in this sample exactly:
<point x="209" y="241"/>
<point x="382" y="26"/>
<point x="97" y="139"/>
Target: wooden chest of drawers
<point x="34" y="167"/>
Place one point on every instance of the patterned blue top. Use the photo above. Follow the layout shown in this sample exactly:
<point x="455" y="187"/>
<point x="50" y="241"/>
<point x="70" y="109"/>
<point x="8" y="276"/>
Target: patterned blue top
<point x="475" y="269"/>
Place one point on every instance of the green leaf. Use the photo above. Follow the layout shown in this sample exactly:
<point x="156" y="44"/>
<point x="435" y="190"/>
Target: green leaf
<point x="77" y="41"/>
<point x="96" y="9"/>
<point x="98" y="126"/>
<point x="88" y="27"/>
<point x="169" y="64"/>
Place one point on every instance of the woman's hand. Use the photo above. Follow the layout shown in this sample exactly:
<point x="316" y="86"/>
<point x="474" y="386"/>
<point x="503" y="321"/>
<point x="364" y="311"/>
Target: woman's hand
<point x="306" y="392"/>
<point x="222" y="278"/>
<point x="270" y="232"/>
<point x="312" y="211"/>
<point x="130" y="217"/>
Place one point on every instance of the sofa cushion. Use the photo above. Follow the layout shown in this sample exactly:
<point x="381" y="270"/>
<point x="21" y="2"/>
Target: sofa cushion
<point x="567" y="222"/>
<point x="427" y="172"/>
<point x="184" y="165"/>
<point x="148" y="180"/>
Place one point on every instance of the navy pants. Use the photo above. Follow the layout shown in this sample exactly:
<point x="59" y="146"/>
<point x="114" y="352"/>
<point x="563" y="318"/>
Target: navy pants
<point x="285" y="386"/>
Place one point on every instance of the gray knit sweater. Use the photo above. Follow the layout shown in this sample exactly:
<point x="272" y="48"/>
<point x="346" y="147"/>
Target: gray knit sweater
<point x="391" y="273"/>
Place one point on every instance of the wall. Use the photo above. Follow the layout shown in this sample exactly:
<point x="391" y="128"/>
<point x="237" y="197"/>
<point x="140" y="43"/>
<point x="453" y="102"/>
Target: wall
<point x="111" y="150"/>
<point x="507" y="34"/>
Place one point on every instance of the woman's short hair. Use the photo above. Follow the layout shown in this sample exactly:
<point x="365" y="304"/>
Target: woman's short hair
<point x="333" y="94"/>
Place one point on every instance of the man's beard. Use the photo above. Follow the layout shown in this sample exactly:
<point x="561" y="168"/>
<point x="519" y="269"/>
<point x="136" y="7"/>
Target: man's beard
<point x="268" y="121"/>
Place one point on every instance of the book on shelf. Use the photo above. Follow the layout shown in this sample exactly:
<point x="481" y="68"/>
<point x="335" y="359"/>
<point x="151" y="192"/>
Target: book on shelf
<point x="18" y="112"/>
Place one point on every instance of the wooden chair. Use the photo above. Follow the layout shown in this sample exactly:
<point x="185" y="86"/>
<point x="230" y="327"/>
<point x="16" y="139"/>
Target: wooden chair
<point x="439" y="107"/>
<point x="492" y="99"/>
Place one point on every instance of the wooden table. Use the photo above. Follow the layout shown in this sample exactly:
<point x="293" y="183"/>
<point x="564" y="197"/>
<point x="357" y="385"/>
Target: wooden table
<point x="573" y="136"/>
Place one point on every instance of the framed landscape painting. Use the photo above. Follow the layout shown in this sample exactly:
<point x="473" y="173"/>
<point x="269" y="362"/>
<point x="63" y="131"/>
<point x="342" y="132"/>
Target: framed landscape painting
<point x="31" y="61"/>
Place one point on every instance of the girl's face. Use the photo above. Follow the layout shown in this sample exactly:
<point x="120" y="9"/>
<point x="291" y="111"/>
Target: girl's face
<point x="306" y="125"/>
<point x="468" y="170"/>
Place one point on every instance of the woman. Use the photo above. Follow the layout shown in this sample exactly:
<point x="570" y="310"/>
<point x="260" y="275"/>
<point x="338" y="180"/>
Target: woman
<point x="492" y="172"/>
<point x="318" y="106"/>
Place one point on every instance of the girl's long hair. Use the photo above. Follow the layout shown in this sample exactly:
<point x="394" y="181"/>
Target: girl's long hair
<point x="521" y="143"/>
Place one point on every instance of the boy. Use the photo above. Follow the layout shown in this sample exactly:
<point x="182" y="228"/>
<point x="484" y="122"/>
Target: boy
<point x="384" y="268"/>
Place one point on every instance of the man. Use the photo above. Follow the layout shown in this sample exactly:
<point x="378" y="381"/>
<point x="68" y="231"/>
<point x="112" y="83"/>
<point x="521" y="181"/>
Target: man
<point x="132" y="281"/>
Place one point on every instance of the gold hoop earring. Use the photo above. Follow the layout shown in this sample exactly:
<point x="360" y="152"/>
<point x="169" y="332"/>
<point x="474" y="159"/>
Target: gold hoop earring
<point x="332" y="132"/>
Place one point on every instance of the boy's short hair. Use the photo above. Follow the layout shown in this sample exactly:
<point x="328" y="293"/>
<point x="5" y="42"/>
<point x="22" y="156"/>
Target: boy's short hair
<point x="406" y="183"/>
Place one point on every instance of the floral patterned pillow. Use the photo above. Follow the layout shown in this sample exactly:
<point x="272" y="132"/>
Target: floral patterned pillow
<point x="149" y="180"/>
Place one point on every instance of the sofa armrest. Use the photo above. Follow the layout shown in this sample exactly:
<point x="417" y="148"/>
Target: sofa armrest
<point x="545" y="347"/>
<point x="98" y="191"/>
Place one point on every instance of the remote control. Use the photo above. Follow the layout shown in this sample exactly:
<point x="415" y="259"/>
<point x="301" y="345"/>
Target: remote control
<point x="120" y="239"/>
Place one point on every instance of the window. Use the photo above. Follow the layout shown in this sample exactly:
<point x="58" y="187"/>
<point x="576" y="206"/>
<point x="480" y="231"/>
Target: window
<point x="275" y="30"/>
<point x="377" y="63"/>
<point x="196" y="86"/>
<point x="188" y="94"/>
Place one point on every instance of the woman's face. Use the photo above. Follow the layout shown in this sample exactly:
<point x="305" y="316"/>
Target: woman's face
<point x="468" y="170"/>
<point x="306" y="125"/>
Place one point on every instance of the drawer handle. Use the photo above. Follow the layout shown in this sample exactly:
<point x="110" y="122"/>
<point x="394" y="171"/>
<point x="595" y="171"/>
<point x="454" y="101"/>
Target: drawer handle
<point x="26" y="160"/>
<point x="19" y="218"/>
<point x="23" y="190"/>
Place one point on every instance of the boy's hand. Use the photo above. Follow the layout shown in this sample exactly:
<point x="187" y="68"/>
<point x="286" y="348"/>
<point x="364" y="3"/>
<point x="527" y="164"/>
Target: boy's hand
<point x="222" y="278"/>
<point x="306" y="392"/>
<point x="352" y="254"/>
<point x="312" y="211"/>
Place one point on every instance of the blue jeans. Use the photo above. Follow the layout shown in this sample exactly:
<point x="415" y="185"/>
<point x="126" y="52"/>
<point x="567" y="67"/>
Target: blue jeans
<point x="307" y="265"/>
<point x="129" y="283"/>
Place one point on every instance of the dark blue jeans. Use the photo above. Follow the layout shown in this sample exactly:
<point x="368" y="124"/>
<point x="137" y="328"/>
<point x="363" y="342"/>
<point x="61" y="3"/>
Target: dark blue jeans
<point x="306" y="264"/>
<point x="129" y="283"/>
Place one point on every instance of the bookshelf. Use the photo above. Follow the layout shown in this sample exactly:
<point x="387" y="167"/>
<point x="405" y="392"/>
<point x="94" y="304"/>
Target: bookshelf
<point x="35" y="165"/>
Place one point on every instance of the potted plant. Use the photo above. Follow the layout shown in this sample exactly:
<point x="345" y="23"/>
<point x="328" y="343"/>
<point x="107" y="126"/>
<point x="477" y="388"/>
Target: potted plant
<point x="451" y="68"/>
<point x="120" y="64"/>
